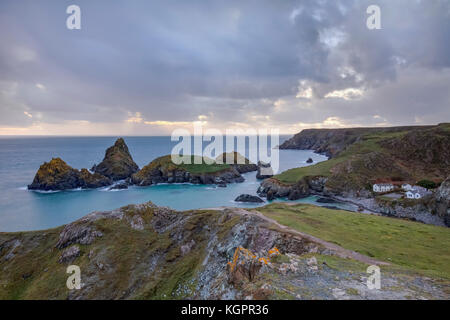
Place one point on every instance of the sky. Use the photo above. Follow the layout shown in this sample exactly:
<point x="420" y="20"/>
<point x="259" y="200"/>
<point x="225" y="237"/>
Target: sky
<point x="150" y="67"/>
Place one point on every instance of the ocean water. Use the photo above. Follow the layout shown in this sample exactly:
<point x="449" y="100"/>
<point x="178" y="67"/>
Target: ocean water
<point x="20" y="157"/>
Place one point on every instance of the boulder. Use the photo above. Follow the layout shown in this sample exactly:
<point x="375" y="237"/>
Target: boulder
<point x="310" y="160"/>
<point x="117" y="163"/>
<point x="248" y="198"/>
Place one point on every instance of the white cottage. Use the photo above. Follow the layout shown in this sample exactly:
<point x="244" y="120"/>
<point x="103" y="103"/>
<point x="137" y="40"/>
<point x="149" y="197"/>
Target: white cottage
<point x="417" y="193"/>
<point x="383" y="187"/>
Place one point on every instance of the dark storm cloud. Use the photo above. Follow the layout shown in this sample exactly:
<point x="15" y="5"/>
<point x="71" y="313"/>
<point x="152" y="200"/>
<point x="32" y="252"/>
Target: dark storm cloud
<point x="229" y="60"/>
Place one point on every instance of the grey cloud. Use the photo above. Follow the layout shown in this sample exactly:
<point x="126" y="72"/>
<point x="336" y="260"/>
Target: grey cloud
<point x="174" y="60"/>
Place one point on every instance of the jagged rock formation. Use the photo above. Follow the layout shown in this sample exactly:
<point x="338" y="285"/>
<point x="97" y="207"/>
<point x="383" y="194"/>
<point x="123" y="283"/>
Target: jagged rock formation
<point x="163" y="170"/>
<point x="238" y="161"/>
<point x="117" y="163"/>
<point x="58" y="175"/>
<point x="248" y="198"/>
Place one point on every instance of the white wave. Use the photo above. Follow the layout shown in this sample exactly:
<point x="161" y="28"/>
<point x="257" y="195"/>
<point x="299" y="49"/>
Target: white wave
<point x="76" y="189"/>
<point x="46" y="191"/>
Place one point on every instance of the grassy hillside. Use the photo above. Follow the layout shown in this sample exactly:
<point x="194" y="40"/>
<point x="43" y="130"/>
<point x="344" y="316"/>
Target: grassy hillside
<point x="408" y="154"/>
<point x="415" y="246"/>
<point x="149" y="252"/>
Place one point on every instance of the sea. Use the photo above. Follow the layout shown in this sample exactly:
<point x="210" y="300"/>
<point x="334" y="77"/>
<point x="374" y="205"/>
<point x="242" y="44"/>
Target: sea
<point x="23" y="210"/>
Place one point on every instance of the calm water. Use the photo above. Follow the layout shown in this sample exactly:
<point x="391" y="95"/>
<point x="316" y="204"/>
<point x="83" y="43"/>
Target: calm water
<point x="20" y="158"/>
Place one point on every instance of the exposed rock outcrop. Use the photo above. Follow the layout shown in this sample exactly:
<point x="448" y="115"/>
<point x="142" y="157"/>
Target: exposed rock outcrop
<point x="272" y="188"/>
<point x="163" y="170"/>
<point x="70" y="254"/>
<point x="248" y="198"/>
<point x="58" y="175"/>
<point x="441" y="203"/>
<point x="149" y="252"/>
<point x="117" y="163"/>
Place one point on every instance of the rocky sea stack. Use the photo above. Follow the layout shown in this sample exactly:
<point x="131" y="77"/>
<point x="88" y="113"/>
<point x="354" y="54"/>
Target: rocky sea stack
<point x="58" y="175"/>
<point x="163" y="170"/>
<point x="118" y="163"/>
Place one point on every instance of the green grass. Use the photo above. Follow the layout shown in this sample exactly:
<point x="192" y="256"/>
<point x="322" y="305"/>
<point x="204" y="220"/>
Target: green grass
<point x="321" y="169"/>
<point x="165" y="163"/>
<point x="125" y="253"/>
<point x="203" y="167"/>
<point x="369" y="143"/>
<point x="415" y="246"/>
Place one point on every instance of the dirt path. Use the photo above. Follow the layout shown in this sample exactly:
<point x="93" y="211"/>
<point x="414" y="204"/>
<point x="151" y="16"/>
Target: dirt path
<point x="337" y="250"/>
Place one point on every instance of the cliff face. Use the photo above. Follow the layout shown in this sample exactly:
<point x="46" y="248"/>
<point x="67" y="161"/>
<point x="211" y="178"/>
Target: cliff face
<point x="425" y="152"/>
<point x="331" y="142"/>
<point x="118" y="163"/>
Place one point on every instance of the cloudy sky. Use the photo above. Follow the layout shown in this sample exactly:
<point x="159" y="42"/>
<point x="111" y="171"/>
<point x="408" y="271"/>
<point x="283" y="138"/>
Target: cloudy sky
<point x="149" y="67"/>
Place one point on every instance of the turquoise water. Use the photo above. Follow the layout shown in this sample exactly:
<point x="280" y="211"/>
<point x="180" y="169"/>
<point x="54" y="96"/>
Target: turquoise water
<point x="20" y="158"/>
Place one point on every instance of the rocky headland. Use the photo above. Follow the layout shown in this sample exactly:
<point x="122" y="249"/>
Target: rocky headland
<point x="362" y="156"/>
<point x="150" y="252"/>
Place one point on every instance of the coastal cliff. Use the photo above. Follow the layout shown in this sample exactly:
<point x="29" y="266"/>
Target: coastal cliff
<point x="331" y="142"/>
<point x="362" y="156"/>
